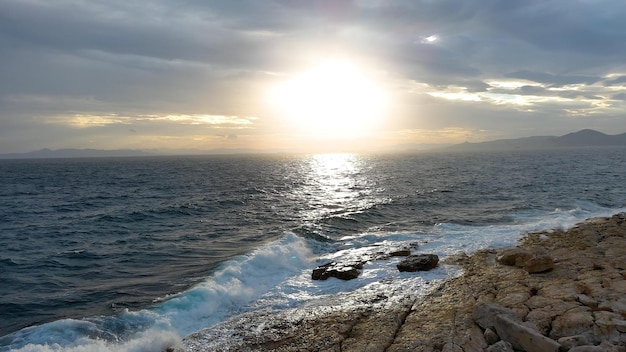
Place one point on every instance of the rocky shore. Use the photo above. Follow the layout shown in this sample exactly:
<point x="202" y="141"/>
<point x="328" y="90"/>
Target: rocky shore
<point x="555" y="291"/>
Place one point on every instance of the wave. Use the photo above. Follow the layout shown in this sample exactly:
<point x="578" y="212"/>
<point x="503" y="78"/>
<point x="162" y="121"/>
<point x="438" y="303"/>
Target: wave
<point x="227" y="291"/>
<point x="276" y="276"/>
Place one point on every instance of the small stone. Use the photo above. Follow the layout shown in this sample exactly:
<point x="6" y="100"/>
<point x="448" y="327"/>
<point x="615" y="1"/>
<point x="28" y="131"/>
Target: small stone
<point x="539" y="263"/>
<point x="420" y="262"/>
<point x="586" y="300"/>
<point x="588" y="349"/>
<point x="450" y="347"/>
<point x="620" y="325"/>
<point x="500" y="346"/>
<point x="570" y="342"/>
<point x="490" y="336"/>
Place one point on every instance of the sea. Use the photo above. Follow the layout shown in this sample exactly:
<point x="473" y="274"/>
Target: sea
<point x="134" y="254"/>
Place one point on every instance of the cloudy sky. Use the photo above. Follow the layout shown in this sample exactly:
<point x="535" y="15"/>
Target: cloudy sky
<point x="304" y="74"/>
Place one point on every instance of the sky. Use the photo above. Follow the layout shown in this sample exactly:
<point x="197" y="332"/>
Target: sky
<point x="306" y="75"/>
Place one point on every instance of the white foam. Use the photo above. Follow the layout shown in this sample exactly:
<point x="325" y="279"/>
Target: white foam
<point x="226" y="292"/>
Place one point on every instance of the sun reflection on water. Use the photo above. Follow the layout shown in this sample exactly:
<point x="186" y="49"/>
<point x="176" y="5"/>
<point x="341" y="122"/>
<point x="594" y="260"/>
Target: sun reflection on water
<point x="336" y="189"/>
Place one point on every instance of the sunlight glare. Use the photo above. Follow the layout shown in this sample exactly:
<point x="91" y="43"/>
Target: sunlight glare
<point x="333" y="99"/>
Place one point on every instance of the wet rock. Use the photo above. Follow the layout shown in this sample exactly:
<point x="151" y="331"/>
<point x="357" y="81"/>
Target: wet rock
<point x="421" y="262"/>
<point x="457" y="259"/>
<point x="404" y="252"/>
<point x="337" y="270"/>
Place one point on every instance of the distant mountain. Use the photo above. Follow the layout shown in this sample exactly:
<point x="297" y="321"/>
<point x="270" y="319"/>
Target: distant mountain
<point x="581" y="139"/>
<point x="75" y="153"/>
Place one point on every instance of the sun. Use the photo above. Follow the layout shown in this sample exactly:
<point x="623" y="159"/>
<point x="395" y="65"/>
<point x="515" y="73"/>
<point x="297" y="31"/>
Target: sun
<point x="332" y="99"/>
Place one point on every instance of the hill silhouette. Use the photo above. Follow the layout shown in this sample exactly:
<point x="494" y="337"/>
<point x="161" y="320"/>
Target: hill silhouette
<point x="581" y="139"/>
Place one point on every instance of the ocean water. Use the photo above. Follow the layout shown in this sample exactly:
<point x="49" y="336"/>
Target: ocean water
<point x="133" y="254"/>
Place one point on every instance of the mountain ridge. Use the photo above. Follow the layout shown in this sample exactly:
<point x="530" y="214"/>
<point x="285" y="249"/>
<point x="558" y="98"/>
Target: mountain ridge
<point x="581" y="139"/>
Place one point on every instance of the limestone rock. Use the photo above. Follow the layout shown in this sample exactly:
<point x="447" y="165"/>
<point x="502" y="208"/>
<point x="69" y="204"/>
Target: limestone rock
<point x="575" y="321"/>
<point x="485" y="314"/>
<point x="514" y="256"/>
<point x="570" y="342"/>
<point x="586" y="300"/>
<point x="536" y="261"/>
<point x="608" y="325"/>
<point x="539" y="263"/>
<point x="522" y="337"/>
<point x="490" y="336"/>
<point x="419" y="262"/>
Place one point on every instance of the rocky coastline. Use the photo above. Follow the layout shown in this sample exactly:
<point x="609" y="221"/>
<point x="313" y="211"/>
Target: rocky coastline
<point x="556" y="291"/>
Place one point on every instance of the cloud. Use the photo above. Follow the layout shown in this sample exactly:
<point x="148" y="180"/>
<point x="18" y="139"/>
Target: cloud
<point x="553" y="80"/>
<point x="129" y="65"/>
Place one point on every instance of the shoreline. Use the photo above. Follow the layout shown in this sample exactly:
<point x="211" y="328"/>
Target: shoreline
<point x="577" y="303"/>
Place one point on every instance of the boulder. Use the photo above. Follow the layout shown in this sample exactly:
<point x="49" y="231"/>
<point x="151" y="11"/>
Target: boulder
<point x="419" y="262"/>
